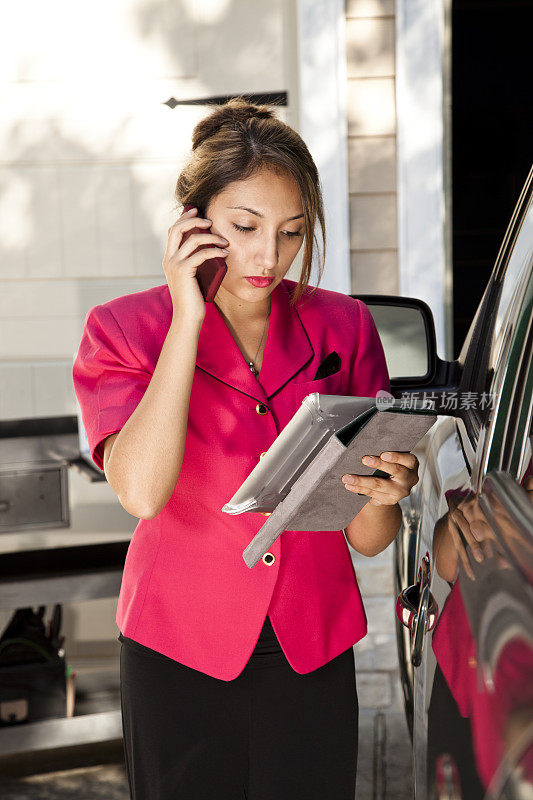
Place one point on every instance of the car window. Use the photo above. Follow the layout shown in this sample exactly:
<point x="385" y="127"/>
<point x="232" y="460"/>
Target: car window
<point x="517" y="275"/>
<point x="507" y="423"/>
<point x="483" y="353"/>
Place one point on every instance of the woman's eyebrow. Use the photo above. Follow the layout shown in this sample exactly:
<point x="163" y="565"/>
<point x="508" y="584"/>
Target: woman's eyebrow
<point x="257" y="214"/>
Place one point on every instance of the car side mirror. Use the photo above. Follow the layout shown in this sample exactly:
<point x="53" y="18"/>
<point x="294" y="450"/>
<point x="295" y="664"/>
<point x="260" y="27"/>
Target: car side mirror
<point x="407" y="332"/>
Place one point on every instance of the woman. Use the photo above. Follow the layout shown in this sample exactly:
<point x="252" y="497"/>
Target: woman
<point x="235" y="682"/>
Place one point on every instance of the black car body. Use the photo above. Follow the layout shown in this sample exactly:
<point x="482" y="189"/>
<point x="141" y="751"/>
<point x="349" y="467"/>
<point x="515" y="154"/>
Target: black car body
<point x="466" y="643"/>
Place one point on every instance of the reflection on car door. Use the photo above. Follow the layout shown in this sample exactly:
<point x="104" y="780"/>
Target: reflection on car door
<point x="458" y="741"/>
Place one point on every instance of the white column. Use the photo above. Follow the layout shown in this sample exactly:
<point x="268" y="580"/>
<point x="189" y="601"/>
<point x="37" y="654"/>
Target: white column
<point x="322" y="84"/>
<point x="423" y="235"/>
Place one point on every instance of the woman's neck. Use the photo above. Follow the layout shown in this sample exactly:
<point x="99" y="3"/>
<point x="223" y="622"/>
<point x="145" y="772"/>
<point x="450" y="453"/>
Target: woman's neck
<point x="240" y="313"/>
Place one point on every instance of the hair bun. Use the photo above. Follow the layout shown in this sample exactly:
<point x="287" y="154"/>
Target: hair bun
<point x="236" y="111"/>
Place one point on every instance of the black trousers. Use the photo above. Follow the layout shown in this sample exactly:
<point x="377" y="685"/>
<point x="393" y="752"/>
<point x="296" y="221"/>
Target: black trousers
<point x="269" y="734"/>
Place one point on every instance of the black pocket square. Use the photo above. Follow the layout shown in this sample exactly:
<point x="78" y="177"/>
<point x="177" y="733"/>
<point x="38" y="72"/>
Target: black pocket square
<point x="330" y="365"/>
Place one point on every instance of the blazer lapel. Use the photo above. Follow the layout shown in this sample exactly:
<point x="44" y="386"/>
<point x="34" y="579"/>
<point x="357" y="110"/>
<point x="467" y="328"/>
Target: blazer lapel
<point x="287" y="350"/>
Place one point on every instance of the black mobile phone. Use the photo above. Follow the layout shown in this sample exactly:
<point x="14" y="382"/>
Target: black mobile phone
<point x="210" y="273"/>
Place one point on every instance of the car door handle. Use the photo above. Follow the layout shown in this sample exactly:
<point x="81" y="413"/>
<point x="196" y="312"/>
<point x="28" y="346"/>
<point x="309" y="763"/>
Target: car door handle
<point x="417" y="609"/>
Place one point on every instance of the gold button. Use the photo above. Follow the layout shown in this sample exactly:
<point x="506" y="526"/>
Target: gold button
<point x="261" y="408"/>
<point x="269" y="559"/>
<point x="261" y="455"/>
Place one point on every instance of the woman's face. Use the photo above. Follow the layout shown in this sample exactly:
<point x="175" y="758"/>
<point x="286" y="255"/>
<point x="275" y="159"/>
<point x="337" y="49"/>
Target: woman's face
<point x="270" y="240"/>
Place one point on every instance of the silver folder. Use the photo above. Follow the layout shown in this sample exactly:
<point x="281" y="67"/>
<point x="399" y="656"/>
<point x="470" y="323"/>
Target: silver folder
<point x="299" y="478"/>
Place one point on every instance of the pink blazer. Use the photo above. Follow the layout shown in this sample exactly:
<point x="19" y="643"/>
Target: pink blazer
<point x="186" y="591"/>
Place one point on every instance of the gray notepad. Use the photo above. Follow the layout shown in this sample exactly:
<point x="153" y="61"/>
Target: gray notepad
<point x="317" y="499"/>
<point x="304" y="436"/>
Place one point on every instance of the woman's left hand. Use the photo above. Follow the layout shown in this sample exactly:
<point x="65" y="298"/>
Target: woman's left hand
<point x="403" y="469"/>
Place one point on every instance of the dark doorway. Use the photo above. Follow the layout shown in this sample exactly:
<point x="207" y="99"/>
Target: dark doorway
<point x="492" y="138"/>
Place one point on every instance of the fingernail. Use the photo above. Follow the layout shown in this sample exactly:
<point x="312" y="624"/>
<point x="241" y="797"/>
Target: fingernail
<point x="191" y="210"/>
<point x="478" y="555"/>
<point x="347" y="479"/>
<point x="386" y="456"/>
<point x="368" y="460"/>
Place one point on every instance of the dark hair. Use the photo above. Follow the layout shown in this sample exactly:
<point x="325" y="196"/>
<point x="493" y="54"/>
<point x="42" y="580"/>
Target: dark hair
<point x="238" y="139"/>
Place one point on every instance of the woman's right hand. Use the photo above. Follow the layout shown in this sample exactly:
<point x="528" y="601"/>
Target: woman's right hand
<point x="180" y="266"/>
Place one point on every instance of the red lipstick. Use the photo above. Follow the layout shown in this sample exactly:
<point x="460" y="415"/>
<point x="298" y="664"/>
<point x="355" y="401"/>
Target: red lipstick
<point x="260" y="282"/>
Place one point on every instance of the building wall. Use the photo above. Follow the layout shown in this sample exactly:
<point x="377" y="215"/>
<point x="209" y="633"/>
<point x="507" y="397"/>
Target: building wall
<point x="89" y="156"/>
<point x="86" y="180"/>
<point x="371" y="113"/>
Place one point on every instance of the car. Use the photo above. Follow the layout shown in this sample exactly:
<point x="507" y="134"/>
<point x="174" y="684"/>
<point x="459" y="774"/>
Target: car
<point x="463" y="558"/>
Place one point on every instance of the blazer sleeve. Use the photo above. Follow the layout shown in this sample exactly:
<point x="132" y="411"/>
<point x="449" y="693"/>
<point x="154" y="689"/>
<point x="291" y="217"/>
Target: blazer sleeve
<point x="109" y="380"/>
<point x="368" y="367"/>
